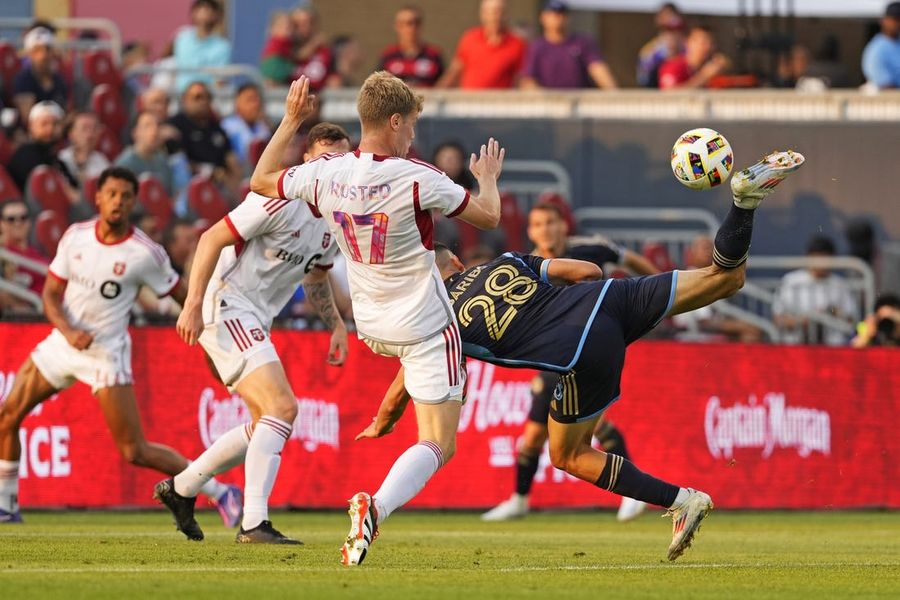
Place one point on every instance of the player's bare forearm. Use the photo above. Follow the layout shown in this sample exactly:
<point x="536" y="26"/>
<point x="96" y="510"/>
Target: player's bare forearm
<point x="392" y="407"/>
<point x="318" y="291"/>
<point x="210" y="246"/>
<point x="299" y="105"/>
<point x="53" y="293"/>
<point x="639" y="264"/>
<point x="569" y="270"/>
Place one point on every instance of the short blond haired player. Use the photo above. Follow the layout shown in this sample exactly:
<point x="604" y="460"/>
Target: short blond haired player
<point x="377" y="204"/>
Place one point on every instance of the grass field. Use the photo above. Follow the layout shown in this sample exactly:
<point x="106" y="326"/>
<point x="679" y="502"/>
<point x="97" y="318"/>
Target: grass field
<point x="434" y="555"/>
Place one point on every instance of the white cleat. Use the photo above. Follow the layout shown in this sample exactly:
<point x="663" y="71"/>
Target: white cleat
<point x="515" y="507"/>
<point x="686" y="521"/>
<point x="630" y="509"/>
<point x="363" y="530"/>
<point x="757" y="181"/>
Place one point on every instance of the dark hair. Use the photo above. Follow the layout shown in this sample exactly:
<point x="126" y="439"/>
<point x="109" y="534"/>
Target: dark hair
<point x="213" y="4"/>
<point x="118" y="173"/>
<point x="452" y="144"/>
<point x="548" y="206"/>
<point x="247" y="86"/>
<point x="328" y="132"/>
<point x="10" y="202"/>
<point x="439" y="247"/>
<point x="887" y="299"/>
<point x="169" y="234"/>
<point x="46" y="24"/>
<point x="199" y="82"/>
<point x="72" y="117"/>
<point x="820" y="244"/>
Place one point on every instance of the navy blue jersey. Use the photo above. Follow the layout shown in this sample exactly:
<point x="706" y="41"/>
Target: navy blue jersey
<point x="509" y="314"/>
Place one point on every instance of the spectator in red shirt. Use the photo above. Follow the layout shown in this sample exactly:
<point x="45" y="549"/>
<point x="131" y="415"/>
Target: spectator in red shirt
<point x="488" y="56"/>
<point x="411" y="59"/>
<point x="697" y="66"/>
<point x="314" y="57"/>
<point x="15" y="227"/>
<point x="277" y="62"/>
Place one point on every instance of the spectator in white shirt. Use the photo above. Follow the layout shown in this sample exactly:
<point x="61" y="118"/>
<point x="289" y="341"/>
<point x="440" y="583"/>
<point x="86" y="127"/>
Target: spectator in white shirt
<point x="81" y="156"/>
<point x="807" y="292"/>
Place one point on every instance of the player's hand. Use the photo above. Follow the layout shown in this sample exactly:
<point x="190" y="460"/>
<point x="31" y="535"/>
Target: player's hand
<point x="490" y="162"/>
<point x="190" y="324"/>
<point x="337" y="350"/>
<point x="375" y="430"/>
<point x="300" y="104"/>
<point x="79" y="339"/>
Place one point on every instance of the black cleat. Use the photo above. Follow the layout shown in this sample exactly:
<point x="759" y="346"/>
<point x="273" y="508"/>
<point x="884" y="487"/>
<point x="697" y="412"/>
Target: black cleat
<point x="182" y="509"/>
<point x="264" y="533"/>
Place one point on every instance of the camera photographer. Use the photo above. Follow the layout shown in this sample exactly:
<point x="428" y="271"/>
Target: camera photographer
<point x="881" y="328"/>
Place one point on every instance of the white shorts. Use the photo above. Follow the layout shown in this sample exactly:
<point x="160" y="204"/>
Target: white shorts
<point x="99" y="366"/>
<point x="238" y="345"/>
<point x="433" y="369"/>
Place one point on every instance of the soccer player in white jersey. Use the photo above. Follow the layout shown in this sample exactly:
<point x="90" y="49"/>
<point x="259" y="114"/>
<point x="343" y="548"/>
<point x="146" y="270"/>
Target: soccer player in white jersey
<point x="92" y="285"/>
<point x="246" y="268"/>
<point x="377" y="204"/>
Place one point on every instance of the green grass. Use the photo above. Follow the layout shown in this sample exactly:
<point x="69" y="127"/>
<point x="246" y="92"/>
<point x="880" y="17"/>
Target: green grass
<point x="433" y="555"/>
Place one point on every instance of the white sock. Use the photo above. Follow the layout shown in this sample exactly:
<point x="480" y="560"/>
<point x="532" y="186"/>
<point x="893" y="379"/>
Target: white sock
<point x="9" y="485"/>
<point x="261" y="468"/>
<point x="407" y="477"/>
<point x="226" y="452"/>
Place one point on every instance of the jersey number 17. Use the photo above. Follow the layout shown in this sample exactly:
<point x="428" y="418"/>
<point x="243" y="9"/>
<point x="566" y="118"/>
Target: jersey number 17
<point x="350" y="224"/>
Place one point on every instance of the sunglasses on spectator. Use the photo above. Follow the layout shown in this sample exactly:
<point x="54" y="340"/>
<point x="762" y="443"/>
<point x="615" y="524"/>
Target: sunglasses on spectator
<point x="15" y="218"/>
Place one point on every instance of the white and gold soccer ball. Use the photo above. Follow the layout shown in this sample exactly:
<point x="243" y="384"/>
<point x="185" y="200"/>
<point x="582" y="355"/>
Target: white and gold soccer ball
<point x="702" y="158"/>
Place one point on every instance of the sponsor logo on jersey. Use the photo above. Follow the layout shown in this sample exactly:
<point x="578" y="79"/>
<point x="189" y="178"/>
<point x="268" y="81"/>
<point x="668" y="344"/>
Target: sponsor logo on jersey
<point x="110" y="289"/>
<point x="767" y="424"/>
<point x="119" y="268"/>
<point x="326" y="239"/>
<point x="257" y="334"/>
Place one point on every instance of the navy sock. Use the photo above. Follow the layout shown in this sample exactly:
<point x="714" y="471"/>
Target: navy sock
<point x="733" y="238"/>
<point x="612" y="440"/>
<point x="621" y="477"/>
<point x="526" y="467"/>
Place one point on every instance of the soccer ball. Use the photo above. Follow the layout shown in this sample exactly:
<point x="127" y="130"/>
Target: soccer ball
<point x="702" y="159"/>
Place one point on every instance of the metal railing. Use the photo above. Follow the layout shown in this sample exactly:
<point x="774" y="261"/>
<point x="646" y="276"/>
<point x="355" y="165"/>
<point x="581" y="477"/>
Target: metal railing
<point x="113" y="42"/>
<point x="17" y="290"/>
<point x="528" y="179"/>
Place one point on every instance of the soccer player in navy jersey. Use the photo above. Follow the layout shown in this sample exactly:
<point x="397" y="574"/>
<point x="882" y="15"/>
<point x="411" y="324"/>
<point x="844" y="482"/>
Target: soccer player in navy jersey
<point x="548" y="231"/>
<point x="511" y="313"/>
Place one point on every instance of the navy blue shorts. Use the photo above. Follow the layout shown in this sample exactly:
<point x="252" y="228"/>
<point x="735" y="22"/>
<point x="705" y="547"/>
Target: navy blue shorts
<point x="630" y="308"/>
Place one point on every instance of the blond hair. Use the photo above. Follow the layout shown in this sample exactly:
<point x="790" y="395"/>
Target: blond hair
<point x="383" y="95"/>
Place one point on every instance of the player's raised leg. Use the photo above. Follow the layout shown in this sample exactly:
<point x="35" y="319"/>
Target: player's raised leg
<point x="29" y="389"/>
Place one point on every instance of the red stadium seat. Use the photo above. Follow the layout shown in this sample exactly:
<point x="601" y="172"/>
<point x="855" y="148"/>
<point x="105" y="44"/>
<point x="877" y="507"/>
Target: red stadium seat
<point x="659" y="256"/>
<point x="7" y="148"/>
<point x="49" y="229"/>
<point x="108" y="143"/>
<point x="9" y="66"/>
<point x="512" y="222"/>
<point x="89" y="192"/>
<point x="8" y="189"/>
<point x="559" y="202"/>
<point x="153" y="197"/>
<point x="107" y="104"/>
<point x="46" y="188"/>
<point x="205" y="200"/>
<point x="245" y="189"/>
<point x="99" y="68"/>
<point x="255" y="151"/>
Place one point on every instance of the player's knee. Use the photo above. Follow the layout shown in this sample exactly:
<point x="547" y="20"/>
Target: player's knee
<point x="561" y="458"/>
<point x="284" y="407"/>
<point x="133" y="453"/>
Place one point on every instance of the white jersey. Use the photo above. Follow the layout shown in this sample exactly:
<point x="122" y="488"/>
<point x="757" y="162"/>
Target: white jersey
<point x="279" y="242"/>
<point x="104" y="279"/>
<point x="378" y="208"/>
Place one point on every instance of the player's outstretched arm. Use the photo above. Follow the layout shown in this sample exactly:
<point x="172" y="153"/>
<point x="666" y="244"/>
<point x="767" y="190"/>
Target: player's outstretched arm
<point x="54" y="290"/>
<point x="483" y="211"/>
<point x="317" y="287"/>
<point x="568" y="270"/>
<point x="299" y="105"/>
<point x="213" y="240"/>
<point x="392" y="406"/>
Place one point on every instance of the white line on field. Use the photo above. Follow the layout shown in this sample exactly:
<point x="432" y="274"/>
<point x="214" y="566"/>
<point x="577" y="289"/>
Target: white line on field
<point x="307" y="569"/>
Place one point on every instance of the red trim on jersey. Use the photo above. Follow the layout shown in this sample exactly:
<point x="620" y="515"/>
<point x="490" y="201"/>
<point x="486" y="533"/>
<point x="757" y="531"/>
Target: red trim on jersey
<point x="447" y="353"/>
<point x="323" y="267"/>
<point x="243" y="333"/>
<point x="155" y="250"/>
<point x="234" y="335"/>
<point x="461" y="207"/>
<point x="281" y="183"/>
<point x="57" y="277"/>
<point x="425" y="164"/>
<point x="423" y="220"/>
<point x="171" y="289"/>
<point x="315" y="209"/>
<point x="273" y="205"/>
<point x="234" y="230"/>
<point x="116" y="243"/>
<point x="376" y="157"/>
<point x="326" y="156"/>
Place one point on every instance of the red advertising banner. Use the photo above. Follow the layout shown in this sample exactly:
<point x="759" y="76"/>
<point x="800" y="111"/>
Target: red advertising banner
<point x="755" y="426"/>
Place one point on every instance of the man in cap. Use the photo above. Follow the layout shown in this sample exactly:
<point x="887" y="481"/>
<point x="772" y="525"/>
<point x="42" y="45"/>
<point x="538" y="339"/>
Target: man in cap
<point x="881" y="57"/>
<point x="38" y="81"/>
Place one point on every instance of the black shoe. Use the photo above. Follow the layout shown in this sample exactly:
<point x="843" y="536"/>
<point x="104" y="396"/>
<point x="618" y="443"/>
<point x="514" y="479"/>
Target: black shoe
<point x="182" y="509"/>
<point x="263" y="533"/>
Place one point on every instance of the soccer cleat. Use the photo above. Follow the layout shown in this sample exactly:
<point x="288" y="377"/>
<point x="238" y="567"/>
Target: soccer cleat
<point x="686" y="520"/>
<point x="230" y="506"/>
<point x="630" y="509"/>
<point x="10" y="517"/>
<point x="363" y="530"/>
<point x="182" y="509"/>
<point x="264" y="533"/>
<point x="515" y="507"/>
<point x="757" y="181"/>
